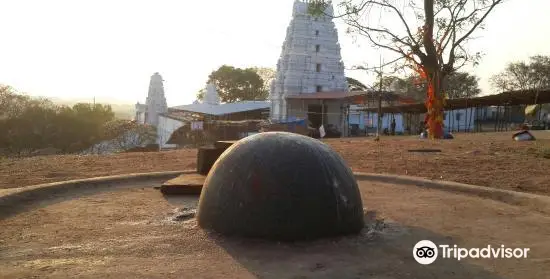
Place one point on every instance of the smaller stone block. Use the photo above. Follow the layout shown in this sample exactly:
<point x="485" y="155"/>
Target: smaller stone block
<point x="206" y="157"/>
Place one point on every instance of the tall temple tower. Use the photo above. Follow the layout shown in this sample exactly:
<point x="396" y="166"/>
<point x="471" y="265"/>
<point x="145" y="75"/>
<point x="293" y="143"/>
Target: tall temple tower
<point x="310" y="59"/>
<point x="155" y="103"/>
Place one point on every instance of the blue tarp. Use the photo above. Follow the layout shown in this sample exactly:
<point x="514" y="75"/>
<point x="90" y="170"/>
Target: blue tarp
<point x="299" y="122"/>
<point x="292" y="123"/>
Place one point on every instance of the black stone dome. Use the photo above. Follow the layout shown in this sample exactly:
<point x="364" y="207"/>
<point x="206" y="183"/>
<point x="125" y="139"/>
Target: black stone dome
<point x="281" y="186"/>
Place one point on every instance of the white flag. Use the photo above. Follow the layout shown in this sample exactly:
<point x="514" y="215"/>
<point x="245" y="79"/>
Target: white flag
<point x="322" y="131"/>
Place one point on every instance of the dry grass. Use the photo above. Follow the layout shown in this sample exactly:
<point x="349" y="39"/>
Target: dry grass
<point x="489" y="159"/>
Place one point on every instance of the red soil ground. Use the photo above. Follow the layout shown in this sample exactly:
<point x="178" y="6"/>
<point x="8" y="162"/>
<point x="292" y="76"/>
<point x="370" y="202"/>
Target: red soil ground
<point x="127" y="234"/>
<point x="488" y="159"/>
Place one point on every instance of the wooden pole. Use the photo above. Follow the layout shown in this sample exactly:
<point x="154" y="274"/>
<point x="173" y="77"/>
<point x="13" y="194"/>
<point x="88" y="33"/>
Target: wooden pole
<point x="472" y="115"/>
<point x="476" y="120"/>
<point x="303" y="110"/>
<point x="497" y="117"/>
<point x="509" y="117"/>
<point x="379" y="126"/>
<point x="322" y="113"/>
<point x="348" y="113"/>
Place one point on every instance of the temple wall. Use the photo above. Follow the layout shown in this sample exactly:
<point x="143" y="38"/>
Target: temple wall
<point x="166" y="126"/>
<point x="332" y="115"/>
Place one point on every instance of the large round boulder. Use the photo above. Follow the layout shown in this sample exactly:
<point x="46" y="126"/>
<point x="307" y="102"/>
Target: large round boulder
<point x="280" y="186"/>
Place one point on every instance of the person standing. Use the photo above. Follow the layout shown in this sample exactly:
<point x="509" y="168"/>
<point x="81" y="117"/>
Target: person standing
<point x="393" y="127"/>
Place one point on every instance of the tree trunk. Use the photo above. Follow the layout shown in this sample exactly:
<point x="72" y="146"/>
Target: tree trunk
<point x="433" y="74"/>
<point x="435" y="104"/>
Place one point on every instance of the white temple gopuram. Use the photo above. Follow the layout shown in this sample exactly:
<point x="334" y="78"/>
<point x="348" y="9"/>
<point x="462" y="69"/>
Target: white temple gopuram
<point x="155" y="103"/>
<point x="310" y="63"/>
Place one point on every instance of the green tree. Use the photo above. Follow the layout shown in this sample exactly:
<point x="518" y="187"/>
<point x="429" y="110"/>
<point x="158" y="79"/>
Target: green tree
<point x="534" y="75"/>
<point x="267" y="75"/>
<point x="456" y="85"/>
<point x="200" y="94"/>
<point x="30" y="130"/>
<point x="12" y="103"/>
<point x="461" y="85"/>
<point x="29" y="124"/>
<point x="432" y="36"/>
<point x="25" y="122"/>
<point x="236" y="84"/>
<point x="411" y="86"/>
<point x="390" y="82"/>
<point x="85" y="122"/>
<point x="355" y="85"/>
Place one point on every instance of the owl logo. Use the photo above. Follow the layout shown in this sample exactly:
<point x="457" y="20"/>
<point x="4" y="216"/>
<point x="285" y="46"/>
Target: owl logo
<point x="425" y="252"/>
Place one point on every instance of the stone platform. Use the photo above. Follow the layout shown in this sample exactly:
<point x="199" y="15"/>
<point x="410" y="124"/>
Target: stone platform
<point x="185" y="184"/>
<point x="132" y="232"/>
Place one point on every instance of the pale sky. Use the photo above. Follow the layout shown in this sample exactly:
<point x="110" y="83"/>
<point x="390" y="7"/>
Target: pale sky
<point x="109" y="49"/>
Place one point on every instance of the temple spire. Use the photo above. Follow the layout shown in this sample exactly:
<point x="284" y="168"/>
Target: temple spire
<point x="211" y="96"/>
<point x="155" y="103"/>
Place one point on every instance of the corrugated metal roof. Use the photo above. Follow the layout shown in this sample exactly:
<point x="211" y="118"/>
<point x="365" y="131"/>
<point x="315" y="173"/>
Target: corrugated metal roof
<point x="325" y="95"/>
<point x="181" y="116"/>
<point x="507" y="98"/>
<point x="338" y="95"/>
<point x="223" y="109"/>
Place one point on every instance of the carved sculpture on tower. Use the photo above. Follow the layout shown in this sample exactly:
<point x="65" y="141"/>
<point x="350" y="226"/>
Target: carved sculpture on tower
<point x="155" y="104"/>
<point x="310" y="59"/>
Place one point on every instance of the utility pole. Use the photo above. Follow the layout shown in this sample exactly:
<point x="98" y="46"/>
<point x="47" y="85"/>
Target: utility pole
<point x="379" y="117"/>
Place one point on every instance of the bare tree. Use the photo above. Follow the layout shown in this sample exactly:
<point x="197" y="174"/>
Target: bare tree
<point x="126" y="134"/>
<point x="355" y="85"/>
<point x="429" y="35"/>
<point x="534" y="75"/>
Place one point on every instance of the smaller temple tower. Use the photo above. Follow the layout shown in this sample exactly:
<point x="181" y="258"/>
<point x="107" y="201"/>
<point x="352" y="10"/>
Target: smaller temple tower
<point x="155" y="103"/>
<point x="211" y="96"/>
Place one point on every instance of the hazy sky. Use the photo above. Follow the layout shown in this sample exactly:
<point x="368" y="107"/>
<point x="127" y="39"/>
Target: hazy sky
<point x="109" y="49"/>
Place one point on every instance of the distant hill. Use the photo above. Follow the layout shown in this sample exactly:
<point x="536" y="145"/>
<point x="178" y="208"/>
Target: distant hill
<point x="121" y="110"/>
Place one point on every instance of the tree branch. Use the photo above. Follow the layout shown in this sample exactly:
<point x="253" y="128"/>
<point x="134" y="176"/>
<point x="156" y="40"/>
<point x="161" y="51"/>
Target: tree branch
<point x="376" y="67"/>
<point x="386" y="4"/>
<point x="491" y="7"/>
<point x="428" y="34"/>
<point x="366" y="31"/>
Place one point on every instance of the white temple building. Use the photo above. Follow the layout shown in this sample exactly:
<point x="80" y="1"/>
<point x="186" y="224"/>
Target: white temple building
<point x="155" y="103"/>
<point x="210" y="108"/>
<point x="310" y="64"/>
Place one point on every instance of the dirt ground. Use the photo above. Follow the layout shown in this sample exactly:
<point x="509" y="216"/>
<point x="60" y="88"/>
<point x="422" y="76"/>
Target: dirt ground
<point x="487" y="159"/>
<point x="106" y="236"/>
